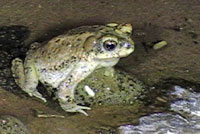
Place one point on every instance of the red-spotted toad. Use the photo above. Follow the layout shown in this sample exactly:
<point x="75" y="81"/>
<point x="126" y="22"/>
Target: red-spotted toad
<point x="67" y="59"/>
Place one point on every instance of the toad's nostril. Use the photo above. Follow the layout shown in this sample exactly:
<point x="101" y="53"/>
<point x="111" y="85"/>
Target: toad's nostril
<point x="127" y="45"/>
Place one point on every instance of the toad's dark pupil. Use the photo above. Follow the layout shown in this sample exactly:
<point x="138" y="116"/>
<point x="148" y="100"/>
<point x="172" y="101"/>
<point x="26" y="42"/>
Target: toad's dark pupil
<point x="109" y="45"/>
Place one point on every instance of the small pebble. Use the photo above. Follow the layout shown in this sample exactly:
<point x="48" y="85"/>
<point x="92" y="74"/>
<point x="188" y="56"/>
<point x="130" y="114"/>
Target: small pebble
<point x="159" y="45"/>
<point x="89" y="91"/>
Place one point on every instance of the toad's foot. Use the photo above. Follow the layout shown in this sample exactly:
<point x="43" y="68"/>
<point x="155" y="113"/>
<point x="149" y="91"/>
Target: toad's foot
<point x="18" y="72"/>
<point x="38" y="95"/>
<point x="68" y="107"/>
<point x="26" y="81"/>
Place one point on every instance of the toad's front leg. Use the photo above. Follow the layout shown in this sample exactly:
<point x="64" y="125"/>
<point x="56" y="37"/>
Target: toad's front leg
<point x="66" y="99"/>
<point x="67" y="87"/>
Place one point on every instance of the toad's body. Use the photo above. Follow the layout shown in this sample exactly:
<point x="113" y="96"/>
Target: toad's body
<point x="68" y="59"/>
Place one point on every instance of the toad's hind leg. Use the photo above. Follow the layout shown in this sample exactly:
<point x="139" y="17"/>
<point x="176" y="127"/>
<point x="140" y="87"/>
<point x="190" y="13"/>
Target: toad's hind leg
<point x="26" y="78"/>
<point x="66" y="88"/>
<point x="18" y="72"/>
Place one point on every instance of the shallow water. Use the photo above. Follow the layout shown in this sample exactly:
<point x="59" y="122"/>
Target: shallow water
<point x="185" y="118"/>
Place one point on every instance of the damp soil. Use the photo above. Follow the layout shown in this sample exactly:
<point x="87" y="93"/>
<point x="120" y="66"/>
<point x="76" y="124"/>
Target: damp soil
<point x="177" y="22"/>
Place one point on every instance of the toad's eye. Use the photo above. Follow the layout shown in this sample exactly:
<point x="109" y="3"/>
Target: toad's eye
<point x="110" y="45"/>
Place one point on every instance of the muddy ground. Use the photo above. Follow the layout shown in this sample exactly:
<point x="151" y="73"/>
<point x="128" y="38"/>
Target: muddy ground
<point x="175" y="21"/>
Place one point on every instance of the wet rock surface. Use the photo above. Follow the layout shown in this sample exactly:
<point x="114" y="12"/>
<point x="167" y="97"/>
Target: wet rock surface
<point x="12" y="125"/>
<point x="11" y="42"/>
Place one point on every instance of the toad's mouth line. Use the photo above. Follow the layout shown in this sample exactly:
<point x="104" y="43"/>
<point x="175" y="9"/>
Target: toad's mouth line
<point x="107" y="59"/>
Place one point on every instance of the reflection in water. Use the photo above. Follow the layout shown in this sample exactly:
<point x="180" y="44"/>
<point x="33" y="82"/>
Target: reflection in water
<point x="187" y="104"/>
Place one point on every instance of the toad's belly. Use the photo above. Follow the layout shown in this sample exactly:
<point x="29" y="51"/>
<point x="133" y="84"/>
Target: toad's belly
<point x="54" y="78"/>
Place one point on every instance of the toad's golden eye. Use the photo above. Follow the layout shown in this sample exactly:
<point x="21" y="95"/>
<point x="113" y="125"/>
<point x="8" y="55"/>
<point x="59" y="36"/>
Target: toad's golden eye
<point x="110" y="45"/>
